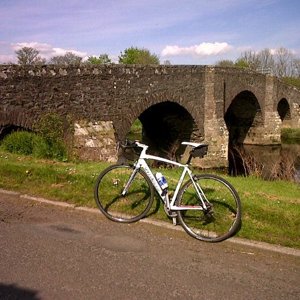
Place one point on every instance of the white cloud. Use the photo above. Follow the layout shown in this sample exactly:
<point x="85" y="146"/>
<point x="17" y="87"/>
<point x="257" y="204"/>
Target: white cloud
<point x="203" y="49"/>
<point x="46" y="50"/>
<point x="6" y="59"/>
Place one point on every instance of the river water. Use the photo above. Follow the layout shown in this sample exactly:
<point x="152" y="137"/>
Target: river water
<point x="269" y="161"/>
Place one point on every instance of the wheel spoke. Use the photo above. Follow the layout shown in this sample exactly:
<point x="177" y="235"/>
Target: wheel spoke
<point x="118" y="207"/>
<point x="220" y="221"/>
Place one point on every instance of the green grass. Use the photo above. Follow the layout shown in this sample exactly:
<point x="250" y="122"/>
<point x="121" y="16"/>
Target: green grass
<point x="290" y="135"/>
<point x="135" y="132"/>
<point x="292" y="81"/>
<point x="271" y="209"/>
<point x="29" y="143"/>
<point x="57" y="180"/>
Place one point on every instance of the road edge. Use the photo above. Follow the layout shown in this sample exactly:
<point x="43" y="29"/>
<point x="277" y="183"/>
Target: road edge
<point x="240" y="241"/>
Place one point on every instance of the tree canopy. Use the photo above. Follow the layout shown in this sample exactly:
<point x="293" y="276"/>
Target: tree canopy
<point x="68" y="59"/>
<point x="134" y="55"/>
<point x="102" y="59"/>
<point x="280" y="62"/>
<point x="29" y="56"/>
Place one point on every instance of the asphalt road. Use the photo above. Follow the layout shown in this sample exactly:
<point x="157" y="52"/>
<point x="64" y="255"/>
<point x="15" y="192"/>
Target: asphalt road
<point x="54" y="252"/>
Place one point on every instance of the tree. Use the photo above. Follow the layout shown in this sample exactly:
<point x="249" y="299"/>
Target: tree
<point x="296" y="67"/>
<point x="242" y="63"/>
<point x="29" y="56"/>
<point x="167" y="62"/>
<point x="134" y="55"/>
<point x="225" y="63"/>
<point x="102" y="59"/>
<point x="249" y="58"/>
<point x="283" y="65"/>
<point x="281" y="62"/>
<point x="68" y="59"/>
<point x="266" y="60"/>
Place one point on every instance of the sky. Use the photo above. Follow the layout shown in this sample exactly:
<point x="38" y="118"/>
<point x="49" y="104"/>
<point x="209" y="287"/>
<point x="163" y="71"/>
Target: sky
<point x="181" y="31"/>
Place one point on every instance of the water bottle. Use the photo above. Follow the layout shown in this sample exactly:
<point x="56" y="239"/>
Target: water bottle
<point x="162" y="183"/>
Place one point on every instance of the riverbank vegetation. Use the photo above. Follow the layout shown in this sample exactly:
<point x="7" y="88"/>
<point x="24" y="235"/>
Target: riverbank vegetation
<point x="290" y="135"/>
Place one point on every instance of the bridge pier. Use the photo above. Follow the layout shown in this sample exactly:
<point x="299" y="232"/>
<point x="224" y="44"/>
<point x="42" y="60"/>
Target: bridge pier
<point x="268" y="132"/>
<point x="95" y="140"/>
<point x="215" y="130"/>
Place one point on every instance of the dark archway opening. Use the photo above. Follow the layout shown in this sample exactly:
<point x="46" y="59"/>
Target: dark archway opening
<point x="8" y="129"/>
<point x="164" y="126"/>
<point x="243" y="113"/>
<point x="283" y="109"/>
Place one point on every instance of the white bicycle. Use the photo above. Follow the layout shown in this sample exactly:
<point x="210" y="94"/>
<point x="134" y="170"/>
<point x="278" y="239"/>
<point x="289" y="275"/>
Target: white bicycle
<point x="206" y="205"/>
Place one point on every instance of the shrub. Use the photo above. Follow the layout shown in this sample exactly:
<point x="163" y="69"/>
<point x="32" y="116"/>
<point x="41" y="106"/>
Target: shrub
<point x="50" y="127"/>
<point x="40" y="148"/>
<point x="57" y="150"/>
<point x="57" y="131"/>
<point x="20" y="142"/>
<point x="29" y="143"/>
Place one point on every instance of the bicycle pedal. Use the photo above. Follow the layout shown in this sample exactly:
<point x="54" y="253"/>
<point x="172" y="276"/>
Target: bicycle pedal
<point x="172" y="214"/>
<point x="174" y="221"/>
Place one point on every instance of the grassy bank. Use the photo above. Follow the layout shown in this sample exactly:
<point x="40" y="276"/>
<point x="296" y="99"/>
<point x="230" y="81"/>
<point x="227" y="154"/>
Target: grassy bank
<point x="271" y="210"/>
<point x="290" y="135"/>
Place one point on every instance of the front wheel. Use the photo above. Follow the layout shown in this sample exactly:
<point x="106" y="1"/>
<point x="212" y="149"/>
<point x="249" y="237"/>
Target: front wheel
<point x="120" y="206"/>
<point x="221" y="220"/>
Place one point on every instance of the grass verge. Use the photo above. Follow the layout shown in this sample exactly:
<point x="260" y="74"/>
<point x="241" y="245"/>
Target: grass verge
<point x="271" y="209"/>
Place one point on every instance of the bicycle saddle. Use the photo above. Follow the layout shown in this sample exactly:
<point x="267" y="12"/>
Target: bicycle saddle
<point x="195" y="145"/>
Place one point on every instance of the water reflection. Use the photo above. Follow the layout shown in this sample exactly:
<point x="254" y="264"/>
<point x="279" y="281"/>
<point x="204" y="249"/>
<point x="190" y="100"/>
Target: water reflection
<point x="271" y="162"/>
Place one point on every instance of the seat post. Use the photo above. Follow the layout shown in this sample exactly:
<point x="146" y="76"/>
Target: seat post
<point x="189" y="159"/>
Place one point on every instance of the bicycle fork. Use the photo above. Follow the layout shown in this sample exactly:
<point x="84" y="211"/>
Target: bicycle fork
<point x="126" y="188"/>
<point x="204" y="202"/>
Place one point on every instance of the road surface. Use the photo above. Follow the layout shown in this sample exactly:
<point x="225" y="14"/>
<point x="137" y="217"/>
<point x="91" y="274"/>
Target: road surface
<point x="55" y="252"/>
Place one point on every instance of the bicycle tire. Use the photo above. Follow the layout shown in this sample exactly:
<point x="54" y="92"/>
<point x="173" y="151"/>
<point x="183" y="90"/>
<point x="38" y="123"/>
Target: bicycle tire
<point x="125" y="209"/>
<point x="225" y="219"/>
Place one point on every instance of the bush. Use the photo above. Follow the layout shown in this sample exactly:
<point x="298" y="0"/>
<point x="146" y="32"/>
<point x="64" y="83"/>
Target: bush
<point x="29" y="143"/>
<point x="57" y="131"/>
<point x="20" y="142"/>
<point x="51" y="127"/>
<point x="40" y="148"/>
<point x="57" y="150"/>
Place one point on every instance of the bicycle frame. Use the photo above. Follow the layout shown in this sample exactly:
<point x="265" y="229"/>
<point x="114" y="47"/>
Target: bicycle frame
<point x="141" y="163"/>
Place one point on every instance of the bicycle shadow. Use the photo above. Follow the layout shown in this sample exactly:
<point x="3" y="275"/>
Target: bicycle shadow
<point x="155" y="207"/>
<point x="14" y="292"/>
<point x="139" y="202"/>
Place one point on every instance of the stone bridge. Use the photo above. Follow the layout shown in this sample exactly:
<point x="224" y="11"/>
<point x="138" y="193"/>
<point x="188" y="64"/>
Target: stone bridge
<point x="220" y="106"/>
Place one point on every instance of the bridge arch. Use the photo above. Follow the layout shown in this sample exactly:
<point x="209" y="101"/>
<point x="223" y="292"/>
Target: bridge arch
<point x="14" y="121"/>
<point x="167" y="119"/>
<point x="165" y="125"/>
<point x="243" y="114"/>
<point x="238" y="86"/>
<point x="283" y="109"/>
<point x="242" y="117"/>
<point x="156" y="98"/>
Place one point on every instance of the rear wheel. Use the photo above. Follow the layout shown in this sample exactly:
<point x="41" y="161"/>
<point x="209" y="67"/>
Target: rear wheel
<point x="218" y="223"/>
<point x="127" y="208"/>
